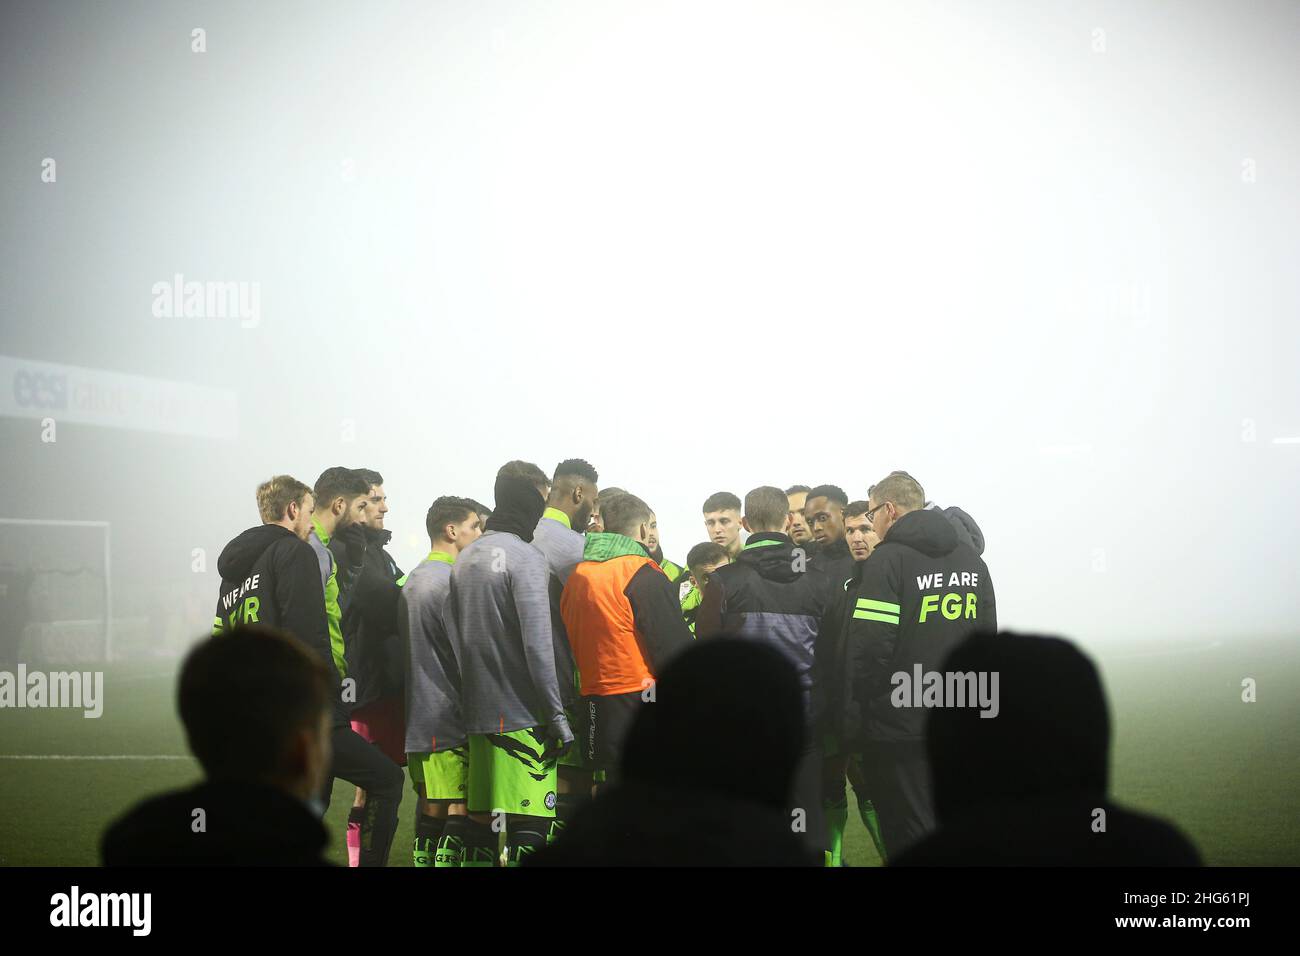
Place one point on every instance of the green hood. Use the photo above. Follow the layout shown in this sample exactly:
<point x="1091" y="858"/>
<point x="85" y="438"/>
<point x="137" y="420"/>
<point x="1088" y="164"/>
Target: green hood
<point x="603" y="545"/>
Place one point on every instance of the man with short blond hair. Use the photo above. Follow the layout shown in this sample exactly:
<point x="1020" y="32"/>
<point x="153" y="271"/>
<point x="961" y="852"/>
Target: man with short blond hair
<point x="284" y="496"/>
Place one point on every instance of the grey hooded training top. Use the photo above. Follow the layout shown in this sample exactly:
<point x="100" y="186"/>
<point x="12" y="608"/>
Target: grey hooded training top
<point x="499" y="621"/>
<point x="433" y="717"/>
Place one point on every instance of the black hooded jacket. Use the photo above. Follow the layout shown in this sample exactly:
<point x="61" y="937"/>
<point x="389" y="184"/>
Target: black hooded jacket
<point x="921" y="591"/>
<point x="247" y="824"/>
<point x="769" y="594"/>
<point x="1029" y="788"/>
<point x="683" y="801"/>
<point x="270" y="576"/>
<point x="375" y="653"/>
<point x="968" y="532"/>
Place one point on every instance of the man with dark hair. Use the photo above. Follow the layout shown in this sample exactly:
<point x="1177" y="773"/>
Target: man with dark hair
<point x="568" y="512"/>
<point x="528" y="472"/>
<point x="671" y="570"/>
<point x="605" y="495"/>
<point x="857" y="530"/>
<point x="255" y="703"/>
<point x="829" y="669"/>
<point x="766" y="595"/>
<point x="375" y="656"/>
<point x="559" y="536"/>
<point x="702" y="560"/>
<point x="824" y="512"/>
<point x="499" y="621"/>
<point x="339" y="542"/>
<point x="799" y="531"/>
<point x="483" y="511"/>
<point x="437" y="751"/>
<point x="624" y="623"/>
<point x="722" y="521"/>
<point x="920" y="593"/>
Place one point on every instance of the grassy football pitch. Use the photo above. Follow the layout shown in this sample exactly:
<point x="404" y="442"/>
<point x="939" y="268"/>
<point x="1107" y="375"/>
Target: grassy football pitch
<point x="1185" y="747"/>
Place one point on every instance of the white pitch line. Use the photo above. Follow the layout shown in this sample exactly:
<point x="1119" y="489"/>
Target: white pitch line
<point x="94" y="757"/>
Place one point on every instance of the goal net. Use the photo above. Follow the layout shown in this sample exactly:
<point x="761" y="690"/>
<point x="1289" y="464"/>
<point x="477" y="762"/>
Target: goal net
<point x="55" y="597"/>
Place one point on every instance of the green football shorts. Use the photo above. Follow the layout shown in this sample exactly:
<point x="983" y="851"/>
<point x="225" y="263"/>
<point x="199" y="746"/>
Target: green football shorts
<point x="507" y="772"/>
<point x="445" y="775"/>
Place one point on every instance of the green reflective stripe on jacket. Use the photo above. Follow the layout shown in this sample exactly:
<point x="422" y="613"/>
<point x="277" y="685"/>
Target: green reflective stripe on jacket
<point x="760" y="544"/>
<point x="866" y="604"/>
<point x="876" y="616"/>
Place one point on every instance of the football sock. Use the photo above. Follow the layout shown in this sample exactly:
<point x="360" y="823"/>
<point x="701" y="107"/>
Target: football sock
<point x="355" y="816"/>
<point x="867" y="811"/>
<point x="451" y="844"/>
<point x="836" y="811"/>
<point x="480" y="842"/>
<point x="524" y="839"/>
<point x="566" y="805"/>
<point x="428" y="830"/>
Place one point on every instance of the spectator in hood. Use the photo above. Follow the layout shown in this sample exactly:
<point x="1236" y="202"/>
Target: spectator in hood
<point x="707" y="769"/>
<point x="1028" y="788"/>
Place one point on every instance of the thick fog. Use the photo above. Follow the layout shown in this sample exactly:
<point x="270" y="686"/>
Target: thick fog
<point x="1041" y="256"/>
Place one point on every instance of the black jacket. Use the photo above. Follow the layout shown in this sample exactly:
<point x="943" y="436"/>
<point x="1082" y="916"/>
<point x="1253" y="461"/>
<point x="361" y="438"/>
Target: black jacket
<point x="270" y="576"/>
<point x="968" y="532"/>
<point x="244" y="824"/>
<point x="919" y="594"/>
<point x="375" y="654"/>
<point x="635" y="824"/>
<point x="831" y="666"/>
<point x="768" y="593"/>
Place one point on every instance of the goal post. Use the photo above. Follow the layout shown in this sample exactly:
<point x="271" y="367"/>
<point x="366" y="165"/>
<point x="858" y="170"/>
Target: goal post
<point x="58" y="575"/>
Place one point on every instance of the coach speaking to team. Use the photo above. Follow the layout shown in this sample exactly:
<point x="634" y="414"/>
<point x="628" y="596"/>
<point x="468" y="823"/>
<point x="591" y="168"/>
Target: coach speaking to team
<point x="921" y="592"/>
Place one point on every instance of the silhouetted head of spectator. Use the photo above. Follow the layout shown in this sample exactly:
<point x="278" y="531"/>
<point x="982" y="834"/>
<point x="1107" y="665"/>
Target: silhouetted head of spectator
<point x="727" y="719"/>
<point x="255" y="703"/>
<point x="1051" y="735"/>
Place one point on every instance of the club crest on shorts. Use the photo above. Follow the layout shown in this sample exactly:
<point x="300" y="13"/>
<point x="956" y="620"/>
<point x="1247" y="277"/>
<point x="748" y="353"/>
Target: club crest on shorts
<point x="550" y="800"/>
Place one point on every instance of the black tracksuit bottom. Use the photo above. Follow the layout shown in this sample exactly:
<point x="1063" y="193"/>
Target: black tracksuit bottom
<point x="364" y="765"/>
<point x="897" y="776"/>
